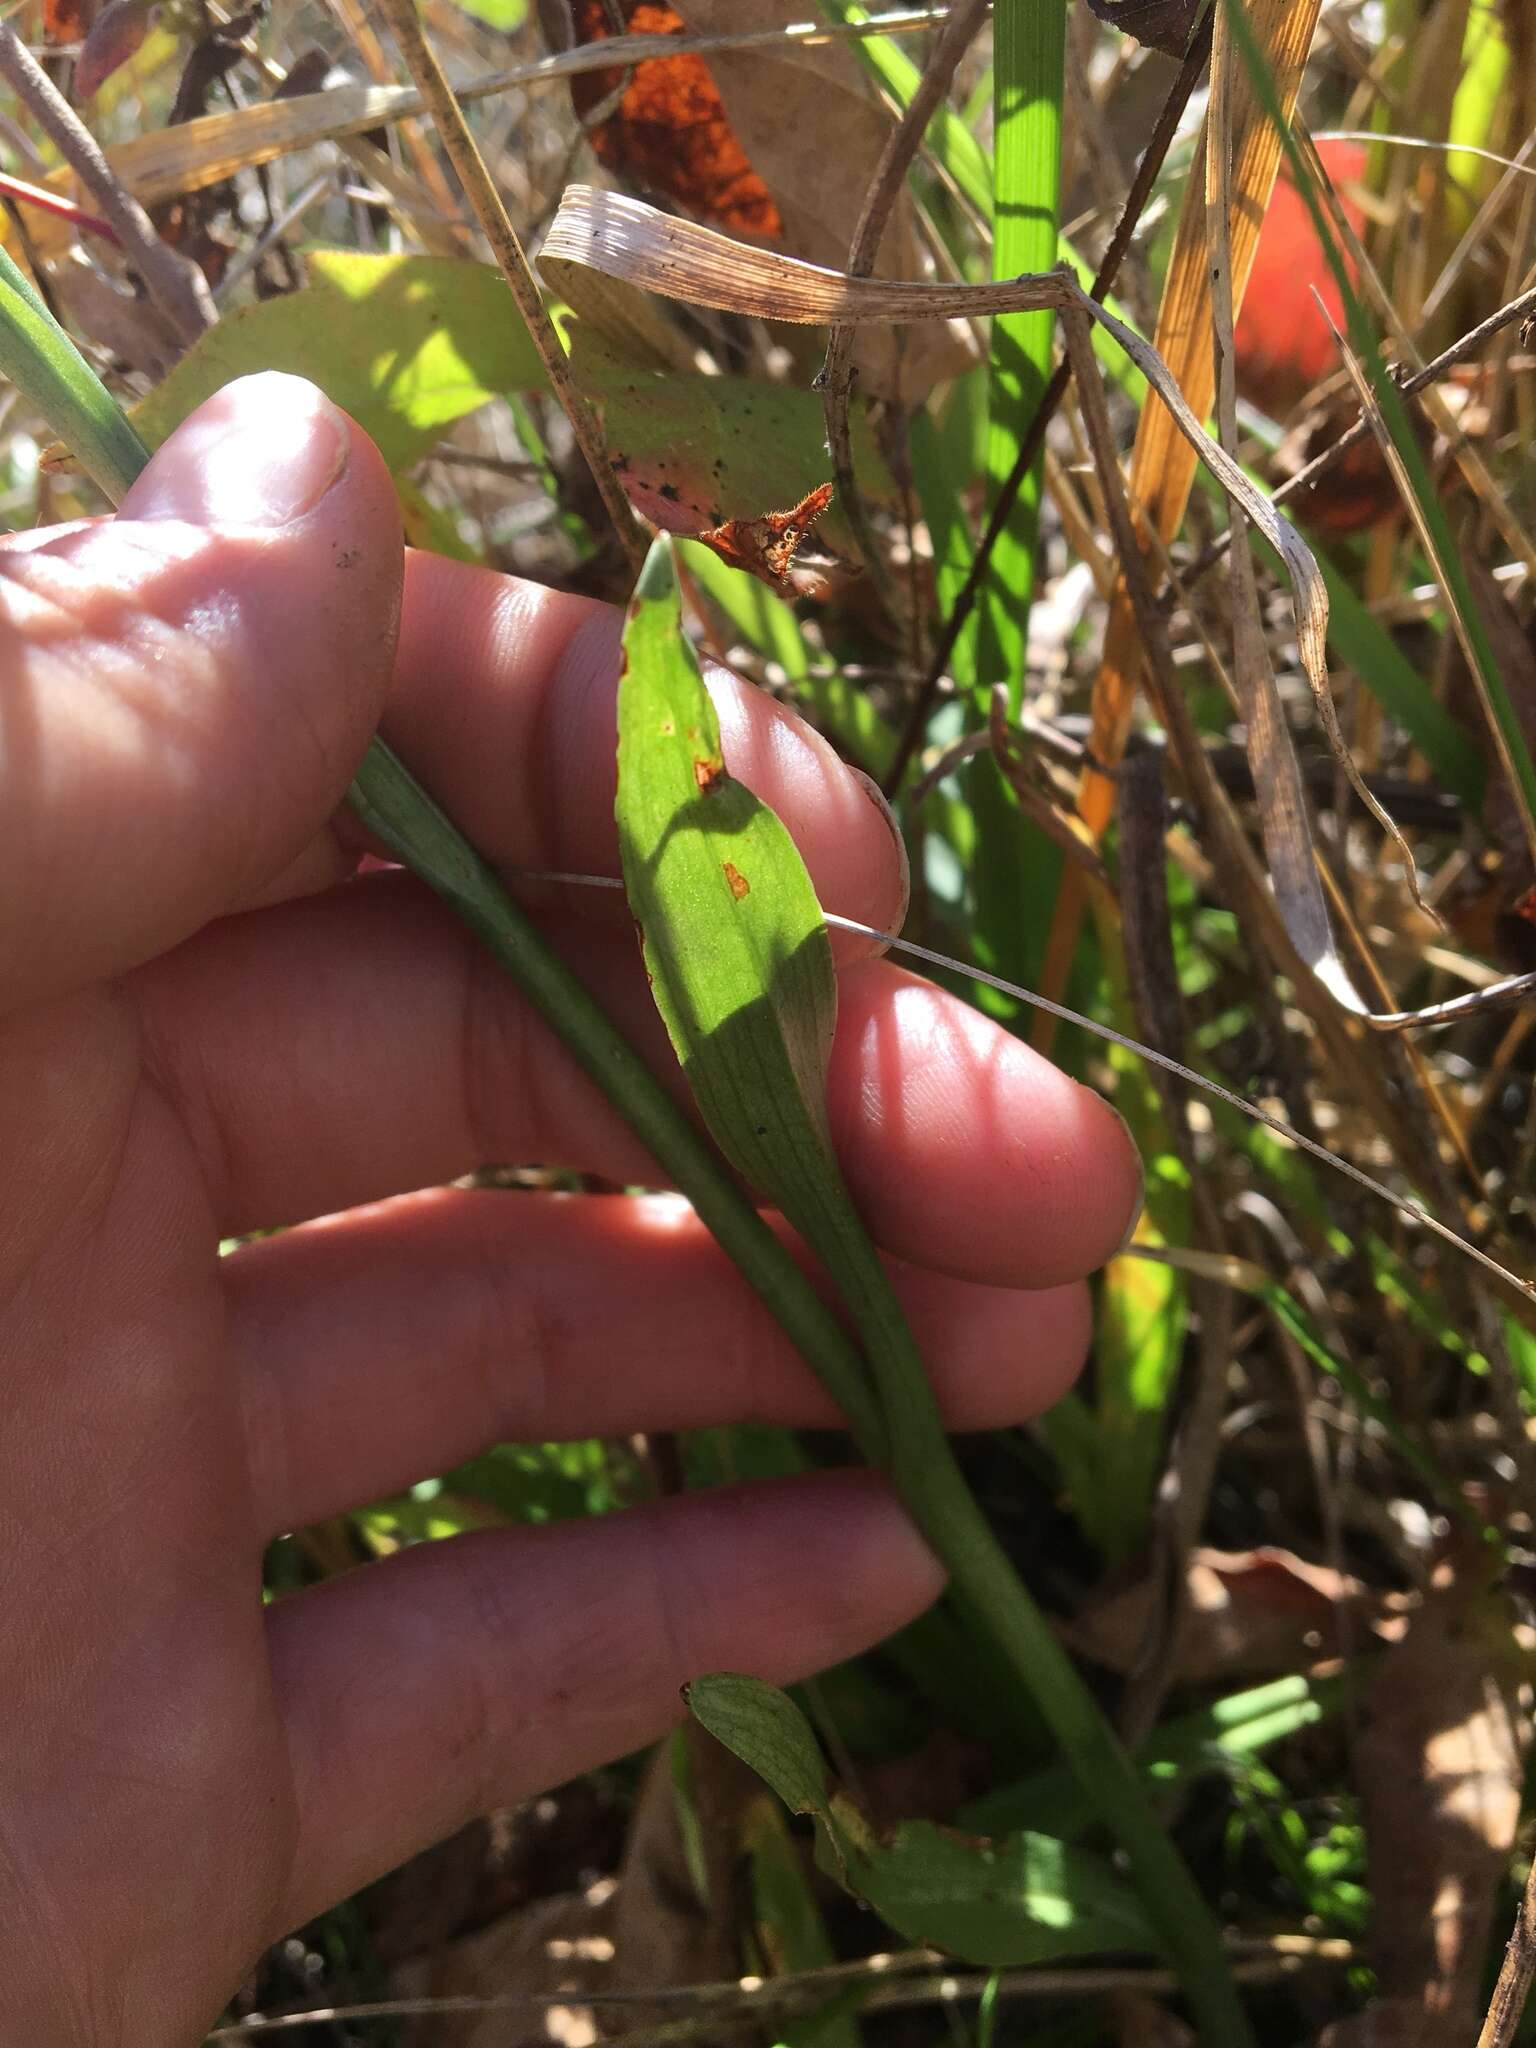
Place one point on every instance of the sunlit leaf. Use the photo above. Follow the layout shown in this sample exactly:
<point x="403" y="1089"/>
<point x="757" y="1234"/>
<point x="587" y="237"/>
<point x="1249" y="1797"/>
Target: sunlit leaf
<point x="405" y="344"/>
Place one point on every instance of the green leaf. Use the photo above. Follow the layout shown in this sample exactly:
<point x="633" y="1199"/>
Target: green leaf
<point x="739" y="957"/>
<point x="37" y="356"/>
<point x="694" y="451"/>
<point x="497" y="14"/>
<point x="737" y="953"/>
<point x="405" y="344"/>
<point x="765" y="1728"/>
<point x="1026" y="1899"/>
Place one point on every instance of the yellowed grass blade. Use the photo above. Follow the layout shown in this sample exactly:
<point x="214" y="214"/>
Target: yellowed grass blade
<point x="1162" y="469"/>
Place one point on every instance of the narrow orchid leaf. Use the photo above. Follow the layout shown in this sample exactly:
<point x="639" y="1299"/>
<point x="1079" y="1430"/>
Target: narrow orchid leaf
<point x="735" y="946"/>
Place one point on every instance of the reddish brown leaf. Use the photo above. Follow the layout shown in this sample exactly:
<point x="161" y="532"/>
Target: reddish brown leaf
<point x="115" y="35"/>
<point x="668" y="134"/>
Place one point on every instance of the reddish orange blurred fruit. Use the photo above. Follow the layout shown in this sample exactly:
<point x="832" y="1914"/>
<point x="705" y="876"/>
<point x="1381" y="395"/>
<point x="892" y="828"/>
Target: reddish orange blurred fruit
<point x="1283" y="340"/>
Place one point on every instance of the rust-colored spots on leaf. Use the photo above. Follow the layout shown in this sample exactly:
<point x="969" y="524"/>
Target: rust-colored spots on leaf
<point x="739" y="884"/>
<point x="668" y="135"/>
<point x="708" y="773"/>
<point x="766" y="547"/>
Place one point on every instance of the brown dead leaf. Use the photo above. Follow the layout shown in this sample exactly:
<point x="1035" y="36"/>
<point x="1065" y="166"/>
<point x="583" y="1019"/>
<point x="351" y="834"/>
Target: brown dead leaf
<point x="1439" y="1768"/>
<point x="554" y="1949"/>
<point x="1247" y="1612"/>
<point x="813" y="129"/>
<point x="664" y="1932"/>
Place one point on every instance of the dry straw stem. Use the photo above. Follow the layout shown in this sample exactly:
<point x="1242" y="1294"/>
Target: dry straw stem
<point x="1259" y="912"/>
<point x="194" y="154"/>
<point x="405" y="23"/>
<point x="836" y="378"/>
<point x="904" y="1978"/>
<point x="1515" y="1973"/>
<point x="1161" y="469"/>
<point x="177" y="288"/>
<point x="1285" y="824"/>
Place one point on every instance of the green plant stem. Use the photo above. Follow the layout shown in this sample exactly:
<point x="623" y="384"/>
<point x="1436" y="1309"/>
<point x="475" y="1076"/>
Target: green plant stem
<point x="32" y="358"/>
<point x="393" y="805"/>
<point x="924" y="1471"/>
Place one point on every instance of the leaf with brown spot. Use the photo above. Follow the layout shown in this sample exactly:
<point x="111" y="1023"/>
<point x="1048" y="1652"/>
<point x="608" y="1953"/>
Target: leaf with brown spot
<point x="697" y="453"/>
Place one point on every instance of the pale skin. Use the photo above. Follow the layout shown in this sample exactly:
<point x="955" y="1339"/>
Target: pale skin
<point x="206" y="1030"/>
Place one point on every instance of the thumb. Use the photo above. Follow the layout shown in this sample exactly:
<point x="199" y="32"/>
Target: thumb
<point x="186" y="689"/>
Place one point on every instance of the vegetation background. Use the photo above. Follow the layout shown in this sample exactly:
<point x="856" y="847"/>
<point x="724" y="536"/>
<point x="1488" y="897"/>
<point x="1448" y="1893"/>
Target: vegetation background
<point x="1284" y="1524"/>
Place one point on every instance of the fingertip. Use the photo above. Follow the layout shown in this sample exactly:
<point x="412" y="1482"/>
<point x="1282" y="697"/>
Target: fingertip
<point x="965" y="1149"/>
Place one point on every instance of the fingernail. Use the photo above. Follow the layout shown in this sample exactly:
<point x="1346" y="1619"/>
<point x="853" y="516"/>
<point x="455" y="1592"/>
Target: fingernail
<point x="881" y="803"/>
<point x="261" y="452"/>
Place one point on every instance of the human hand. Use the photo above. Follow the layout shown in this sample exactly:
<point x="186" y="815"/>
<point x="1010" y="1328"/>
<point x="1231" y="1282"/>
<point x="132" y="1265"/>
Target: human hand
<point x="207" y="1029"/>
